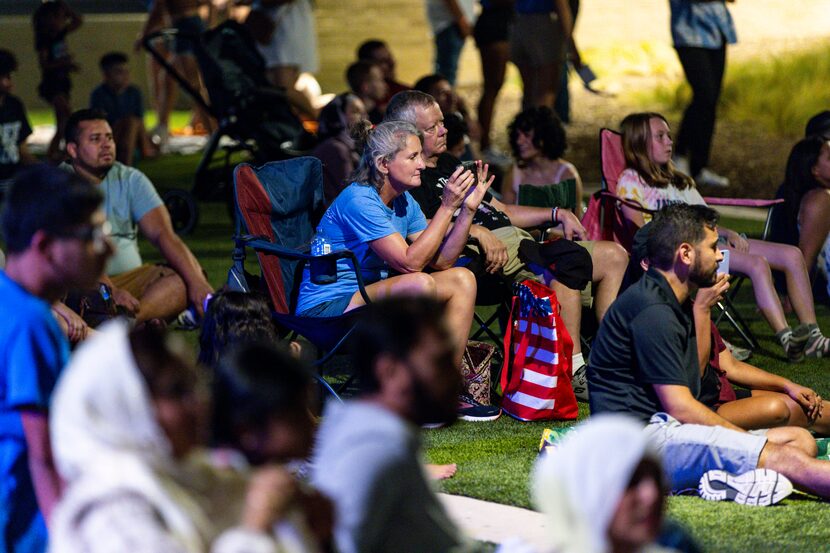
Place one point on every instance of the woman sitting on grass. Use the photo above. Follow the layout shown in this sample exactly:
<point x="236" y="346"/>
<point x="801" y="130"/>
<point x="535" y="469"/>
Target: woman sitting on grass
<point x="538" y="141"/>
<point x="652" y="180"/>
<point x="804" y="220"/>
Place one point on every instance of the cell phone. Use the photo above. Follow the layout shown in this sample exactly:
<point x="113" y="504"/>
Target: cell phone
<point x="723" y="264"/>
<point x="471" y="167"/>
<point x="587" y="75"/>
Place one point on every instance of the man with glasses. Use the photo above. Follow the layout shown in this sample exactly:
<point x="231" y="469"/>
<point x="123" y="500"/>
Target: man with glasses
<point x="131" y="203"/>
<point x="55" y="241"/>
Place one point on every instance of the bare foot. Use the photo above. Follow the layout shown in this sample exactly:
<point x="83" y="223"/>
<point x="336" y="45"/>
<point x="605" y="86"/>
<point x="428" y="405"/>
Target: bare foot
<point x="441" y="472"/>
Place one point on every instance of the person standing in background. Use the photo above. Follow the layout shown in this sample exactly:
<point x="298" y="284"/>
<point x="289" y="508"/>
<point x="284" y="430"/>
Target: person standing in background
<point x="700" y="31"/>
<point x="541" y="31"/>
<point x="52" y="22"/>
<point x="451" y="24"/>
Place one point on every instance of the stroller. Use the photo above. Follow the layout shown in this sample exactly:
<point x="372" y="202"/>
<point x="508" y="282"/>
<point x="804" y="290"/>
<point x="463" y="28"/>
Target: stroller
<point x="254" y="115"/>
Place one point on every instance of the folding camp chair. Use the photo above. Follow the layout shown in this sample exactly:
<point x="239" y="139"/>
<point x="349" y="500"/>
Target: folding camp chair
<point x="613" y="226"/>
<point x="276" y="204"/>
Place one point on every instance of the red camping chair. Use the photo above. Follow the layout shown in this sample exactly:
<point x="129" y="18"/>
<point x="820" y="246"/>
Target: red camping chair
<point x="275" y="206"/>
<point x="607" y="221"/>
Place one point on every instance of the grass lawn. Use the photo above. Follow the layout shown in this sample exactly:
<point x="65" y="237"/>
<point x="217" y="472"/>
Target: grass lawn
<point x="494" y="459"/>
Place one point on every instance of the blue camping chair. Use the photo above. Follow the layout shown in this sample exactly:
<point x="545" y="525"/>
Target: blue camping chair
<point x="276" y="205"/>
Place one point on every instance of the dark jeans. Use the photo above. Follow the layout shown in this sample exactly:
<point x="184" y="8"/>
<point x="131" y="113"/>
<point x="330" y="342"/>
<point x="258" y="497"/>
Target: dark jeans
<point x="704" y="70"/>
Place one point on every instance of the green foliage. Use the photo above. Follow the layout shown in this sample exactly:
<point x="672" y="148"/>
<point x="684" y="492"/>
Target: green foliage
<point x="778" y="91"/>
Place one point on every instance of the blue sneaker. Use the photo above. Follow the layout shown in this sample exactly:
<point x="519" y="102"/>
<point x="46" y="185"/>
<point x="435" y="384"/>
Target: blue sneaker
<point x="470" y="410"/>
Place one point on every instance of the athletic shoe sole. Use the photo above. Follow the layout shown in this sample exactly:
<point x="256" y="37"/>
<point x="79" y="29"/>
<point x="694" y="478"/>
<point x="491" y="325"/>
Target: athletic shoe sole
<point x="479" y="418"/>
<point x="759" y="487"/>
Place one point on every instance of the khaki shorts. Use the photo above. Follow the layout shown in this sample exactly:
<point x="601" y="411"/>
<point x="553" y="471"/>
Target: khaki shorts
<point x="517" y="271"/>
<point x="136" y="281"/>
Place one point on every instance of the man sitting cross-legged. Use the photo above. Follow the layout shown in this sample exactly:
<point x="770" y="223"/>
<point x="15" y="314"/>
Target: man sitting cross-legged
<point x="498" y="228"/>
<point x="764" y="400"/>
<point x="644" y="362"/>
<point x="131" y="203"/>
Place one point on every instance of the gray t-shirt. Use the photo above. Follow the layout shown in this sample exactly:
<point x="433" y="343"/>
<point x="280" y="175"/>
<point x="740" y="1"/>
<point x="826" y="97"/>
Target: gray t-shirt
<point x="128" y="196"/>
<point x="367" y="460"/>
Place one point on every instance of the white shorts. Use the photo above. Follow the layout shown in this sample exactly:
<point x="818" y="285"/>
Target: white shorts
<point x="689" y="450"/>
<point x="294" y="41"/>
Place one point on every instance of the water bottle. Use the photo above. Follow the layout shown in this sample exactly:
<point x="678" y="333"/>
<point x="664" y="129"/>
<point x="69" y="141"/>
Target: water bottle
<point x="323" y="271"/>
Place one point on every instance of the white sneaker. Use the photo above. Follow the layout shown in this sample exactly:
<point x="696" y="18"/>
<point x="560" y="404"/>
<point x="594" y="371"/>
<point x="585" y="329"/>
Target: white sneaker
<point x="681" y="163"/>
<point x="579" y="382"/>
<point x="710" y="178"/>
<point x="160" y="136"/>
<point x="759" y="487"/>
<point x="739" y="353"/>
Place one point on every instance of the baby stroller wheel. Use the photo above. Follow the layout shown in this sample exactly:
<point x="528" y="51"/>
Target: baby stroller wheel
<point x="184" y="211"/>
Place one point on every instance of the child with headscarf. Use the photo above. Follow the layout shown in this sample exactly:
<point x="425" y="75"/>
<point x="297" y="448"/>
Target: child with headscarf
<point x="129" y="416"/>
<point x="602" y="489"/>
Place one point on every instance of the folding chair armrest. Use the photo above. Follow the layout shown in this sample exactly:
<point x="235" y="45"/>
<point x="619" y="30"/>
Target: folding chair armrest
<point x="628" y="203"/>
<point x="742" y="202"/>
<point x="262" y="244"/>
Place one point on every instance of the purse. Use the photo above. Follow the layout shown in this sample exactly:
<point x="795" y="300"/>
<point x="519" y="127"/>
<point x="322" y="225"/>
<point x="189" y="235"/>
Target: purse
<point x="475" y="368"/>
<point x="535" y="379"/>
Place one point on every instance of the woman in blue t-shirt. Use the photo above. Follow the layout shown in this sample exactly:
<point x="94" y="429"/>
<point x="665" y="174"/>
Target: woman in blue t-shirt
<point x="377" y="219"/>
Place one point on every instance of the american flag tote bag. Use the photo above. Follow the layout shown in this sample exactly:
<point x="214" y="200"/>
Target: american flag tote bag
<point x="535" y="379"/>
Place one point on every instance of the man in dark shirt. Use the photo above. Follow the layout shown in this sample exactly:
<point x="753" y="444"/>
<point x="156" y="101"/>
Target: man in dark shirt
<point x="644" y="362"/>
<point x="14" y="125"/>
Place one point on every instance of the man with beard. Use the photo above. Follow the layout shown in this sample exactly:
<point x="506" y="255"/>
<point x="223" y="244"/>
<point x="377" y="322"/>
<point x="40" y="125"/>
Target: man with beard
<point x="367" y="456"/>
<point x="644" y="363"/>
<point x="149" y="291"/>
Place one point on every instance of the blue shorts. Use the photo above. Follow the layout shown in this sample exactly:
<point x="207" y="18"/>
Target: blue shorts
<point x="332" y="308"/>
<point x="689" y="450"/>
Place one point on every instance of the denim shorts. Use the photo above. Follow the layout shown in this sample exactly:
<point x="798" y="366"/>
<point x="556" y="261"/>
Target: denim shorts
<point x="689" y="450"/>
<point x="332" y="308"/>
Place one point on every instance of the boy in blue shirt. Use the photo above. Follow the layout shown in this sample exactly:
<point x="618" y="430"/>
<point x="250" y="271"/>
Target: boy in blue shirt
<point x="124" y="106"/>
<point x="55" y="241"/>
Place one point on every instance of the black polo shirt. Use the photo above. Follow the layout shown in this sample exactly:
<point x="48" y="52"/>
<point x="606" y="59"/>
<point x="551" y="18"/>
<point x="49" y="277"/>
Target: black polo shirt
<point x="646" y="338"/>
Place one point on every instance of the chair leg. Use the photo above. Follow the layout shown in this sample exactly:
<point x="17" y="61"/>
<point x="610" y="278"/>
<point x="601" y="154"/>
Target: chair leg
<point x="727" y="309"/>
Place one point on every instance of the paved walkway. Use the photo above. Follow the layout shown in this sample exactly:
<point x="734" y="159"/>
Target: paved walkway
<point x="496" y="523"/>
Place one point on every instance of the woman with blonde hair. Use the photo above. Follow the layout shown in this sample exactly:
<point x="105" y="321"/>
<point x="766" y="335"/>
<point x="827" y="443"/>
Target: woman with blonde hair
<point x="376" y="218"/>
<point x="651" y="179"/>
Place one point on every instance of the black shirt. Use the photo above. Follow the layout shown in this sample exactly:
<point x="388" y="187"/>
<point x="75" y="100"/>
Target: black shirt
<point x="646" y="338"/>
<point x="428" y="195"/>
<point x="14" y="128"/>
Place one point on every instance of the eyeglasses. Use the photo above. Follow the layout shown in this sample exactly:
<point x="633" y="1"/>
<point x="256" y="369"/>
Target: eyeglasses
<point x="97" y="234"/>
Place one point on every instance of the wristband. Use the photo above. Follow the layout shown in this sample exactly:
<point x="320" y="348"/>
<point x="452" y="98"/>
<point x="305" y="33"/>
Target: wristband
<point x="553" y="215"/>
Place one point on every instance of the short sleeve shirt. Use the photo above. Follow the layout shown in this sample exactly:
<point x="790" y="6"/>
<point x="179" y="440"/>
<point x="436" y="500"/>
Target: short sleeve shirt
<point x="647" y="337"/>
<point x="632" y="187"/>
<point x="33" y="351"/>
<point x="356" y="218"/>
<point x="14" y="129"/>
<point x="117" y="105"/>
<point x="128" y="196"/>
<point x="701" y="24"/>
